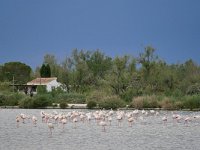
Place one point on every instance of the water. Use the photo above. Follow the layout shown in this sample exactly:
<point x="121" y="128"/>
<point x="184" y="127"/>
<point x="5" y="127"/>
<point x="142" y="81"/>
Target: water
<point x="150" y="133"/>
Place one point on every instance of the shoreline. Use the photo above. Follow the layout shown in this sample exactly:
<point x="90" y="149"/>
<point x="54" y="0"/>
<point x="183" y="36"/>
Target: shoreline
<point x="84" y="106"/>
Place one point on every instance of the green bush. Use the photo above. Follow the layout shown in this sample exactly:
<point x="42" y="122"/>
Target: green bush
<point x="166" y="103"/>
<point x="41" y="101"/>
<point x="178" y="105"/>
<point x="75" y="98"/>
<point x="91" y="104"/>
<point x="2" y="99"/>
<point x="4" y="86"/>
<point x="63" y="105"/>
<point x="97" y="95"/>
<point x="10" y="99"/>
<point x="150" y="102"/>
<point x="193" y="89"/>
<point x="192" y="102"/>
<point x="26" y="102"/>
<point x="56" y="91"/>
<point x="145" y="102"/>
<point x="138" y="102"/>
<point x="113" y="102"/>
<point x="128" y="95"/>
<point x="41" y="89"/>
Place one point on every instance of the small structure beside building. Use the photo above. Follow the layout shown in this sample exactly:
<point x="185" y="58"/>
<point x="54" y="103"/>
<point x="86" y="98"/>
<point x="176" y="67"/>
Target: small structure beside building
<point x="50" y="83"/>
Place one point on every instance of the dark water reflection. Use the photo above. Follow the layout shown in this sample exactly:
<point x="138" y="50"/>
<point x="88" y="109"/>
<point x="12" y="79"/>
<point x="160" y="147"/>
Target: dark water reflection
<point x="150" y="134"/>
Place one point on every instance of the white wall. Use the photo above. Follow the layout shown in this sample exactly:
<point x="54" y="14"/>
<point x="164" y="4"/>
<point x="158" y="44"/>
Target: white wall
<point x="52" y="84"/>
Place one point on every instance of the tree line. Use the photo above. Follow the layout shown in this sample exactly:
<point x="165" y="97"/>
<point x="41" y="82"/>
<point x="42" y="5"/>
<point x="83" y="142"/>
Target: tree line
<point x="125" y="76"/>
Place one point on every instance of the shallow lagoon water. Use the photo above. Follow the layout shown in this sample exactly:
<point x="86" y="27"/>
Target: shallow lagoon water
<point x="150" y="133"/>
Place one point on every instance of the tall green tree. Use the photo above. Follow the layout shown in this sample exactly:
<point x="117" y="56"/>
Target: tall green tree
<point x="17" y="71"/>
<point x="81" y="75"/>
<point x="99" y="64"/>
<point x="119" y="77"/>
<point x="147" y="59"/>
<point x="1" y="73"/>
<point x="52" y="62"/>
<point x="45" y="71"/>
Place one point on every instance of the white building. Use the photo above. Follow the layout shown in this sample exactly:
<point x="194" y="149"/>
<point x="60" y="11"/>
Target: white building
<point x="50" y="84"/>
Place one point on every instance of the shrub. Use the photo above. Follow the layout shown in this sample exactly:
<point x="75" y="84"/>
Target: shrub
<point x="145" y="102"/>
<point x="26" y="102"/>
<point x="138" y="102"/>
<point x="41" y="101"/>
<point x="10" y="99"/>
<point x="72" y="98"/>
<point x="193" y="89"/>
<point x="97" y="96"/>
<point x="192" y="102"/>
<point x="91" y="104"/>
<point x="2" y="99"/>
<point x="113" y="102"/>
<point x="63" y="105"/>
<point x="41" y="89"/>
<point x="166" y="103"/>
<point x="4" y="86"/>
<point x="56" y="91"/>
<point x="178" y="105"/>
<point x="150" y="102"/>
<point x="128" y="95"/>
<point x="34" y="102"/>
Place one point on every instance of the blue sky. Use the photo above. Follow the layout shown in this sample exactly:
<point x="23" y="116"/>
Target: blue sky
<point x="29" y="29"/>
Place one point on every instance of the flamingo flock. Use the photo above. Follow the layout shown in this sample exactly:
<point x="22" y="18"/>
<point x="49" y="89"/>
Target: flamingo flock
<point x="102" y="118"/>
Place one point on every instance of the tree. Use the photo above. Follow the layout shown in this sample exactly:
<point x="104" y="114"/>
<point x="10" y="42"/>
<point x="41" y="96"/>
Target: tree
<point x="147" y="59"/>
<point x="52" y="62"/>
<point x="45" y="71"/>
<point x="18" y="71"/>
<point x="119" y="77"/>
<point x="99" y="64"/>
<point x="80" y="75"/>
<point x="1" y="73"/>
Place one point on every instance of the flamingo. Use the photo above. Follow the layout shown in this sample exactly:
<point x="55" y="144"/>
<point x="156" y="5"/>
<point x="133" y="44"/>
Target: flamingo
<point x="187" y="119"/>
<point x="178" y="118"/>
<point x="82" y="117"/>
<point x="50" y="126"/>
<point x="56" y="119"/>
<point x="143" y="111"/>
<point x="64" y="121"/>
<point x="23" y="116"/>
<point x="110" y="112"/>
<point x="164" y="119"/>
<point x="75" y="120"/>
<point x="110" y="120"/>
<point x="89" y="117"/>
<point x="42" y="114"/>
<point x="152" y="112"/>
<point x="119" y="118"/>
<point x="103" y="124"/>
<point x="34" y="120"/>
<point x="130" y="120"/>
<point x="17" y="120"/>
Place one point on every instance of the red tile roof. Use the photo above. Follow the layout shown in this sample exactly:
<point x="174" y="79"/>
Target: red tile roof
<point x="41" y="81"/>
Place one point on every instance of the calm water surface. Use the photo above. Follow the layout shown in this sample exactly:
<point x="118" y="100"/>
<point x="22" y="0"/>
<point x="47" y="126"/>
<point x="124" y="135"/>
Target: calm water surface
<point x="147" y="134"/>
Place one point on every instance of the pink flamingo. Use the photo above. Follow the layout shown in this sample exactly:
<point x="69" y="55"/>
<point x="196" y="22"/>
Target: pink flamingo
<point x="164" y="119"/>
<point x="75" y="120"/>
<point x="103" y="124"/>
<point x="23" y="116"/>
<point x="34" y="120"/>
<point x="63" y="121"/>
<point x="50" y="126"/>
<point x="130" y="120"/>
<point x="110" y="120"/>
<point x="17" y="120"/>
<point x="119" y="118"/>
